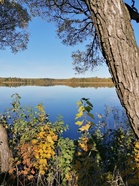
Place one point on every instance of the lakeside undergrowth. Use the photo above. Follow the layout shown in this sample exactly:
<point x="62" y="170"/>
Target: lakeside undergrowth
<point x="41" y="156"/>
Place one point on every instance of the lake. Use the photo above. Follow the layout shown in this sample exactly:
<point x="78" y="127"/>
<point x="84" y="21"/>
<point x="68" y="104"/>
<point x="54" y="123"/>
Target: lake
<point x="61" y="100"/>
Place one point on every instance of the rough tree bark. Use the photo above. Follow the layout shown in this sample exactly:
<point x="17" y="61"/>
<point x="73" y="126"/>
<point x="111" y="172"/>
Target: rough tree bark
<point x="5" y="153"/>
<point x="112" y="21"/>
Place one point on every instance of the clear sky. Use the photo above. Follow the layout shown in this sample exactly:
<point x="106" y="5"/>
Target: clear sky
<point x="46" y="56"/>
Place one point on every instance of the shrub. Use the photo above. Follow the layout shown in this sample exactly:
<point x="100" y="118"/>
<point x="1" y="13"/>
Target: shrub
<point x="41" y="156"/>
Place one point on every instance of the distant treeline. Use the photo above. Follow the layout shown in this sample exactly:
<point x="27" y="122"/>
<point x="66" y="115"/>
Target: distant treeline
<point x="73" y="82"/>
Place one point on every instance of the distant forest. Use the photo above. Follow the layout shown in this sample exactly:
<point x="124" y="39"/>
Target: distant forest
<point x="73" y="82"/>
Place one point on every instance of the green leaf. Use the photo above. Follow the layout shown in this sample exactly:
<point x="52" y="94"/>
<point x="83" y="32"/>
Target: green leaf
<point x="89" y="103"/>
<point x="85" y="99"/>
<point x="88" y="108"/>
<point x="90" y="115"/>
<point x="91" y="123"/>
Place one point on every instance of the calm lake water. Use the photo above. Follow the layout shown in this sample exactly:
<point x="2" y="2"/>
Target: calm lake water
<point x="61" y="100"/>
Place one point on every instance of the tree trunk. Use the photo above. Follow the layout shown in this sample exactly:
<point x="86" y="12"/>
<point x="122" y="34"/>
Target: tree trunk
<point x="112" y="22"/>
<point x="5" y="153"/>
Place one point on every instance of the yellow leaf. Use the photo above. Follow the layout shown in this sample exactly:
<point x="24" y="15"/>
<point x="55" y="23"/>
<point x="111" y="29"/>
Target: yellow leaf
<point x="34" y="141"/>
<point x="55" y="137"/>
<point x="81" y="109"/>
<point x="41" y="149"/>
<point x="41" y="134"/>
<point x="48" y="156"/>
<point x="79" y="123"/>
<point x="137" y="156"/>
<point x="42" y="172"/>
<point x="83" y="146"/>
<point x="68" y="176"/>
<point x="79" y="103"/>
<point x="49" y="138"/>
<point x="137" y="145"/>
<point x="43" y="161"/>
<point x="52" y="153"/>
<point x="37" y="156"/>
<point x="78" y="115"/>
<point x="79" y="153"/>
<point x="85" y="127"/>
<point x="84" y="139"/>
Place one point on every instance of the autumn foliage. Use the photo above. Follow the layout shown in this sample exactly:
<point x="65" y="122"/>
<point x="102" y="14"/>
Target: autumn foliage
<point x="41" y="156"/>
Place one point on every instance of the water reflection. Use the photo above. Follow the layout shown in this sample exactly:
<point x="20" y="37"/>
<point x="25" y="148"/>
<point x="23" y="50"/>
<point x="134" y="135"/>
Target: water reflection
<point x="61" y="100"/>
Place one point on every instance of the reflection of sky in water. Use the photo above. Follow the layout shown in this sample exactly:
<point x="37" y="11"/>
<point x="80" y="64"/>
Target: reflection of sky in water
<point x="61" y="100"/>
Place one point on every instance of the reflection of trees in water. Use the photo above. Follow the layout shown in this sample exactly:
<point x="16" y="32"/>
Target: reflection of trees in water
<point x="73" y="82"/>
<point x="95" y="85"/>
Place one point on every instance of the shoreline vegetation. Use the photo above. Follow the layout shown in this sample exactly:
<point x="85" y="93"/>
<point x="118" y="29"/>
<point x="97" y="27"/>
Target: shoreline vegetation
<point x="72" y="82"/>
<point x="40" y="155"/>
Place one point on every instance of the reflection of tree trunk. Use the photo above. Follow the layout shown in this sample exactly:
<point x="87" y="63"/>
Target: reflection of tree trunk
<point x="112" y="22"/>
<point x="5" y="153"/>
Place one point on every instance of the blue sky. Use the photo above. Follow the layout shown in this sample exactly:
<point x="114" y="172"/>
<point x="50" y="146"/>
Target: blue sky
<point x="46" y="56"/>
